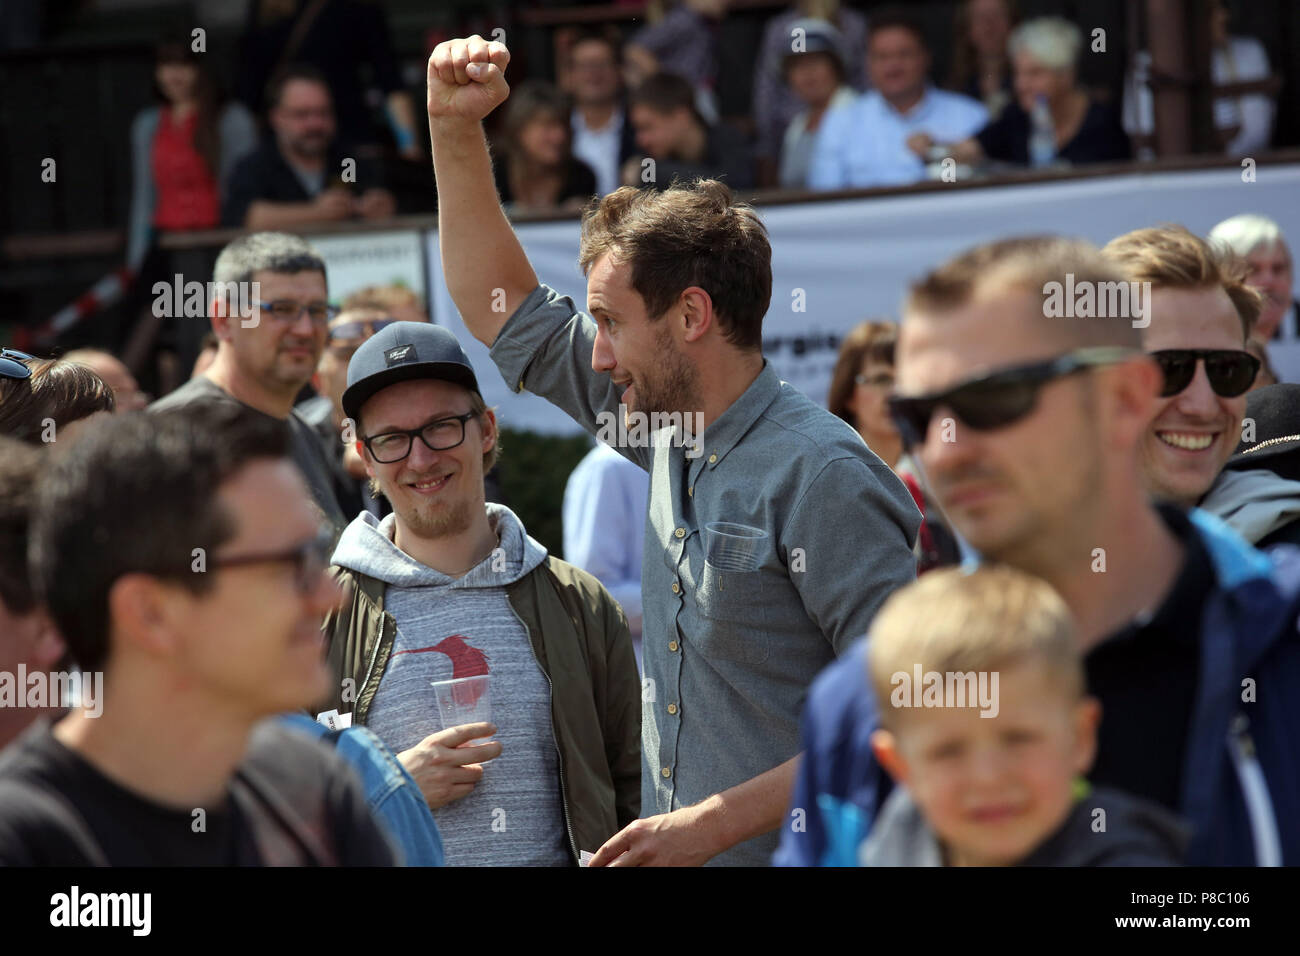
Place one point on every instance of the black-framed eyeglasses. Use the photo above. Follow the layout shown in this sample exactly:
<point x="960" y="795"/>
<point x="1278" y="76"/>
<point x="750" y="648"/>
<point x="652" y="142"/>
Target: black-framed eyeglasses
<point x="310" y="559"/>
<point x="1231" y="371"/>
<point x="360" y="328"/>
<point x="11" y="364"/>
<point x="441" y="435"/>
<point x="995" y="400"/>
<point x="288" y="310"/>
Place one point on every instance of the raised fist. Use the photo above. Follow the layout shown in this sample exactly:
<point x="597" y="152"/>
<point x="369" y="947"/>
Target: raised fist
<point x="467" y="78"/>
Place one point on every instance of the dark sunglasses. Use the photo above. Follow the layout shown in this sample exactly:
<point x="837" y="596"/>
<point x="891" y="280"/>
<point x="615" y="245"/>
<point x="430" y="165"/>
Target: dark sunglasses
<point x="309" y="560"/>
<point x="11" y="364"/>
<point x="995" y="400"/>
<point x="361" y="328"/>
<point x="1231" y="372"/>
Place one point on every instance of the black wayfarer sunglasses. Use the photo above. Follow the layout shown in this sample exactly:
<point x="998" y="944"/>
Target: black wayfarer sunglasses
<point x="1231" y="371"/>
<point x="997" y="399"/>
<point x="11" y="364"/>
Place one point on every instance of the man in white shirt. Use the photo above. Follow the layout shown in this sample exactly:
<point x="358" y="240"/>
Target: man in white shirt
<point x="604" y="527"/>
<point x="865" y="143"/>
<point x="602" y="137"/>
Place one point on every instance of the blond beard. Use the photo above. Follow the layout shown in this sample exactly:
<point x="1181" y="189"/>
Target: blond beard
<point x="437" y="523"/>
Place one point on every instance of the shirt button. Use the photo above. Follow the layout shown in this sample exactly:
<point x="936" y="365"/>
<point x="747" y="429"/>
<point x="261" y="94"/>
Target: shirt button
<point x="667" y="772"/>
<point x="713" y="459"/>
<point x="691" y="491"/>
<point x="676" y="587"/>
<point x="680" y="532"/>
<point x="672" y="645"/>
<point x="672" y="708"/>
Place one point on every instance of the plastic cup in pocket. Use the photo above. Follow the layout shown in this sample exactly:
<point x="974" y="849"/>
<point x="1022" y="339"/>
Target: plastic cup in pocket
<point x="734" y="547"/>
<point x="464" y="701"/>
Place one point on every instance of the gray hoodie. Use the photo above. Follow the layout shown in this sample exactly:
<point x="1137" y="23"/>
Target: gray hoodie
<point x="449" y="628"/>
<point x="1136" y="833"/>
<point x="1254" y="502"/>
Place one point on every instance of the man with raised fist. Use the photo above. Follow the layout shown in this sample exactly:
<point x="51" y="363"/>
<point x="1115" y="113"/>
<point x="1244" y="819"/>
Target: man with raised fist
<point x="734" y="629"/>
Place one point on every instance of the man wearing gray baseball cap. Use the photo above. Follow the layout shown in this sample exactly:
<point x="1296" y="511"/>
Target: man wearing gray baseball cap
<point x="450" y="588"/>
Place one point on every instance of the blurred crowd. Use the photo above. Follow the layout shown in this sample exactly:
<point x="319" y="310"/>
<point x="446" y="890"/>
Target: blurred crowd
<point x="839" y="100"/>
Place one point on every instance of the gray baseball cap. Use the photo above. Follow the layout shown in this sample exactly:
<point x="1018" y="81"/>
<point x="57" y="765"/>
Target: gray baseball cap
<point x="401" y="352"/>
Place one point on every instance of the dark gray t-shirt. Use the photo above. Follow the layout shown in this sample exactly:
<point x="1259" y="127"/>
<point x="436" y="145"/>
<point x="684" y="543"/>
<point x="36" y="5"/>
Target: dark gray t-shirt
<point x="304" y="447"/>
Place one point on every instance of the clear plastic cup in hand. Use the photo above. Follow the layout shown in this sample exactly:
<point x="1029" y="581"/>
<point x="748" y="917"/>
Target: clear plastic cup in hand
<point x="465" y="700"/>
<point x="734" y="547"/>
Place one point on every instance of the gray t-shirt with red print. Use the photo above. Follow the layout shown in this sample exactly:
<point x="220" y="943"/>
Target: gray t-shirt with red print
<point x="452" y="628"/>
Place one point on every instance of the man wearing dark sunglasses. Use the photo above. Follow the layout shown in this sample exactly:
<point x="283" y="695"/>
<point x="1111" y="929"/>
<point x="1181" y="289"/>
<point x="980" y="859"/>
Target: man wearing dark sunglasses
<point x="1028" y="429"/>
<point x="450" y="587"/>
<point x="1202" y="312"/>
<point x="266" y="354"/>
<point x="198" y="598"/>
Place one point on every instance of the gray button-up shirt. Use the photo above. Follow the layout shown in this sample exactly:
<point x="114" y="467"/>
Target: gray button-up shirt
<point x="729" y="656"/>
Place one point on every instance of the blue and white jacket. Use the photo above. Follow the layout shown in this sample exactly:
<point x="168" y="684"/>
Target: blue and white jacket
<point x="1241" y="771"/>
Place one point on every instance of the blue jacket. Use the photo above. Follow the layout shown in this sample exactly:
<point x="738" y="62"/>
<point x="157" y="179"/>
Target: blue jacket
<point x="393" y="796"/>
<point x="1241" y="772"/>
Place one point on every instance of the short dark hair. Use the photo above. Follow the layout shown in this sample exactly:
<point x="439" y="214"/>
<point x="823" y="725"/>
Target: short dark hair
<point x="666" y="93"/>
<point x="593" y="35"/>
<point x="19" y="470"/>
<point x="687" y="235"/>
<point x="895" y="18"/>
<point x="137" y="496"/>
<point x="57" y="391"/>
<point x="280" y="252"/>
<point x="286" y="75"/>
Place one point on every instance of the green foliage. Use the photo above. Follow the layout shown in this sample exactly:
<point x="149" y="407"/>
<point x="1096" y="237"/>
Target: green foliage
<point x="533" y="470"/>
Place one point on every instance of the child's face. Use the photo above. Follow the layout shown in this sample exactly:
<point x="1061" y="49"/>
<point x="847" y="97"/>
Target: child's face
<point x="993" y="788"/>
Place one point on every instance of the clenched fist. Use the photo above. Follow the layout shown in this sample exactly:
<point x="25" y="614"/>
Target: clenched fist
<point x="467" y="78"/>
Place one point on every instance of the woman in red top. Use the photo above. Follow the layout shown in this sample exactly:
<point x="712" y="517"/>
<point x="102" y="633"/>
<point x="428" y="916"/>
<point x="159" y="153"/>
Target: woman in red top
<point x="183" y="150"/>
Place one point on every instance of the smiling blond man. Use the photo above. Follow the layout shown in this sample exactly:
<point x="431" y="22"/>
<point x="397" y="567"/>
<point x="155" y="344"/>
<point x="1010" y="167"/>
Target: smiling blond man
<point x="1201" y="313"/>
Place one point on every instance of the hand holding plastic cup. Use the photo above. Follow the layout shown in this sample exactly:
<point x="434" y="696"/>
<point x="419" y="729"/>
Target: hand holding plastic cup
<point x="465" y="700"/>
<point x="734" y="547"/>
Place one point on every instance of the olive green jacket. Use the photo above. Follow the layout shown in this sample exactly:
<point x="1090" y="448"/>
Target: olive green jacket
<point x="580" y="637"/>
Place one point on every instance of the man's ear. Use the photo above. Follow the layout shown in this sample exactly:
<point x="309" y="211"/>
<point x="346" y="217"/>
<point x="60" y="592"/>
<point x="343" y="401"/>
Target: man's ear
<point x="360" y="448"/>
<point x="885" y="746"/>
<point x="142" y="611"/>
<point x="49" y="645"/>
<point x="1135" y="385"/>
<point x="489" y="423"/>
<point x="1087" y="717"/>
<point x="221" y="318"/>
<point x="697" y="313"/>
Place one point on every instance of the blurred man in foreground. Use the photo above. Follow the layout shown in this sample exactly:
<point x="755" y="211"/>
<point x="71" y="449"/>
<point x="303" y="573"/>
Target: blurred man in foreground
<point x="195" y="608"/>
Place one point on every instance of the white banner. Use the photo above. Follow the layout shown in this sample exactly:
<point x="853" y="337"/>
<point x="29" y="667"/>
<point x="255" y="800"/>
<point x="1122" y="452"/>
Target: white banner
<point x="358" y="260"/>
<point x="851" y="260"/>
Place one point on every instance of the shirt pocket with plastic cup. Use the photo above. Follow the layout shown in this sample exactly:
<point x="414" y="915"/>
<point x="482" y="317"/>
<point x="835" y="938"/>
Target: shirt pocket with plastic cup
<point x="736" y="610"/>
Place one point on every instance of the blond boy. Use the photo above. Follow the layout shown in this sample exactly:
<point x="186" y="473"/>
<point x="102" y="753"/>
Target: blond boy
<point x="986" y="727"/>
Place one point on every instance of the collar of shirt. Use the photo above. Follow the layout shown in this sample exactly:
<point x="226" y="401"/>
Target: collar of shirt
<point x="732" y="425"/>
<point x="613" y="128"/>
<point x="915" y="114"/>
